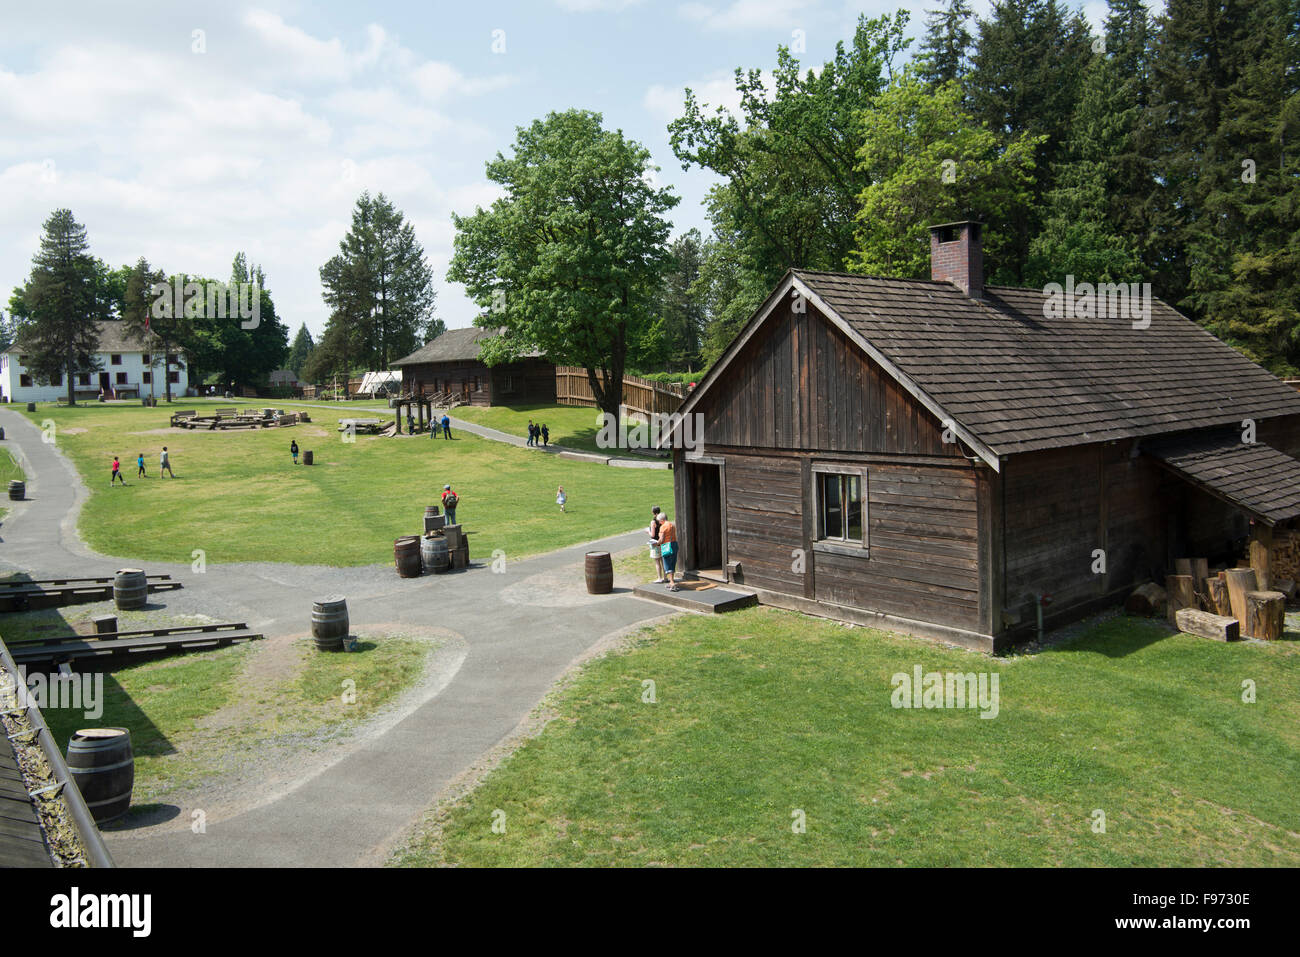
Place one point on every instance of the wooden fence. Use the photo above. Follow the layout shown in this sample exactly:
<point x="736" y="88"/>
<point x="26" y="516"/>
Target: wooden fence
<point x="639" y="395"/>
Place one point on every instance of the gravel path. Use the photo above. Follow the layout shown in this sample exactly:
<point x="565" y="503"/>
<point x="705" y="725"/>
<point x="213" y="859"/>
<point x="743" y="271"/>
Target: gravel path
<point x="519" y="632"/>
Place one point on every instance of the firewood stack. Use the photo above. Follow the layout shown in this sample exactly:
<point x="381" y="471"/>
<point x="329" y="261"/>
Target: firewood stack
<point x="1226" y="604"/>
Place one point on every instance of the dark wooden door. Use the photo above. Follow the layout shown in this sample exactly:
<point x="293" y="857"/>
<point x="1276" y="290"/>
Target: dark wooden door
<point x="706" y="517"/>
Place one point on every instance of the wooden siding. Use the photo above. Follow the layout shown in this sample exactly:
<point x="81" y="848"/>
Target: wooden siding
<point x="532" y="381"/>
<point x="800" y="383"/>
<point x="924" y="548"/>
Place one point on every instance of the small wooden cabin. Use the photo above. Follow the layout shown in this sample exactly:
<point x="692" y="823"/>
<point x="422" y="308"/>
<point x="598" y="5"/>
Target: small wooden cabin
<point x="451" y="364"/>
<point x="940" y="458"/>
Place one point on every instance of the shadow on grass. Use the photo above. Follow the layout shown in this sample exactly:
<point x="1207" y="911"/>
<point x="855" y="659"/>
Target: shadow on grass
<point x="1117" y="637"/>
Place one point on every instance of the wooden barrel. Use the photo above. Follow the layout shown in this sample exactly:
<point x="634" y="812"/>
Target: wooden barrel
<point x="432" y="520"/>
<point x="433" y="554"/>
<point x="329" y="622"/>
<point x="103" y="767"/>
<point x="2" y="434"/>
<point x="17" y="490"/>
<point x="130" y="588"/>
<point x="31" y="406"/>
<point x="306" y="457"/>
<point x="406" y="556"/>
<point x="600" y="573"/>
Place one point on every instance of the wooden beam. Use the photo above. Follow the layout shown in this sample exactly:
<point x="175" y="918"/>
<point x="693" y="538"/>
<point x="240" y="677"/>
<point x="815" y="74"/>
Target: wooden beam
<point x="1207" y="625"/>
<point x="1261" y="548"/>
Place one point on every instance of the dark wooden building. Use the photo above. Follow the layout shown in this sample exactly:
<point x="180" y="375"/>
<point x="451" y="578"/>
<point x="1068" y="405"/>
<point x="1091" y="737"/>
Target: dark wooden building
<point x="451" y="364"/>
<point x="940" y="458"/>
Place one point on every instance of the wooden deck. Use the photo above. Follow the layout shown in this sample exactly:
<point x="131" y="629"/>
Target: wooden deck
<point x="22" y="842"/>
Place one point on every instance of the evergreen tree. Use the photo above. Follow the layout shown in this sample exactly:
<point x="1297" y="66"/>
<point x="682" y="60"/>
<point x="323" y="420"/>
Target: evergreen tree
<point x="944" y="54"/>
<point x="379" y="285"/>
<point x="1025" y="77"/>
<point x="63" y="299"/>
<point x="160" y="334"/>
<point x="300" y="350"/>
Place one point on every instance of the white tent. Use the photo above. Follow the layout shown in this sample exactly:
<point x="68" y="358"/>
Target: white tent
<point x="380" y="383"/>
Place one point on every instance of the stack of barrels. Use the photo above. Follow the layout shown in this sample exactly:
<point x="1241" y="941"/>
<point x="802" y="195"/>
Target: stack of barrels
<point x="17" y="490"/>
<point x="130" y="588"/>
<point x="329" y="622"/>
<point x="434" y="556"/>
<point x="103" y="766"/>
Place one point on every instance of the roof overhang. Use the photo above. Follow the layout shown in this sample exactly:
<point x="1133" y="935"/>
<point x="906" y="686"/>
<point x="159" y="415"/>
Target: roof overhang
<point x="1255" y="477"/>
<point x="792" y="283"/>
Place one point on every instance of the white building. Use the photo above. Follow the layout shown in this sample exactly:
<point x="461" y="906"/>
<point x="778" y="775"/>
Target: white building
<point x="127" y="370"/>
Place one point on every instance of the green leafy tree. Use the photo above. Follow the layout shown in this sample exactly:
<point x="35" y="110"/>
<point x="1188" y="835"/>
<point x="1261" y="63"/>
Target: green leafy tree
<point x="63" y="298"/>
<point x="790" y="178"/>
<point x="570" y="260"/>
<point x="929" y="161"/>
<point x="682" y="312"/>
<point x="160" y="333"/>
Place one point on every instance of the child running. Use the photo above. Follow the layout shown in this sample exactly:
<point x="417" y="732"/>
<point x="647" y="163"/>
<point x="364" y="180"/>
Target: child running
<point x="117" y="472"/>
<point x="561" y="498"/>
<point x="293" y="450"/>
<point x="139" y="465"/>
<point x="164" y="464"/>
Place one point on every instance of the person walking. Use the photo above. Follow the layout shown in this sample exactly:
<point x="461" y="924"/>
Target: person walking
<point x="446" y="426"/>
<point x="165" y="464"/>
<point x="668" y="549"/>
<point x="117" y="472"/>
<point x="293" y="450"/>
<point x="530" y="431"/>
<point x="656" y="550"/>
<point x="561" y="498"/>
<point x="546" y="435"/>
<point x="410" y="424"/>
<point x="449" y="502"/>
<point x="139" y="465"/>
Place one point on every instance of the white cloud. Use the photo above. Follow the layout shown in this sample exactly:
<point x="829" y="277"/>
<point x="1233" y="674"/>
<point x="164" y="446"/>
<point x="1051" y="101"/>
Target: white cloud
<point x="665" y="103"/>
<point x="747" y="14"/>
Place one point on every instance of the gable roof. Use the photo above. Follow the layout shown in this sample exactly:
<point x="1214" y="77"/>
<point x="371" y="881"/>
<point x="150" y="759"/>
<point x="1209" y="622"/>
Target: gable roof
<point x="454" y="345"/>
<point x="113" y="337"/>
<point x="1013" y="381"/>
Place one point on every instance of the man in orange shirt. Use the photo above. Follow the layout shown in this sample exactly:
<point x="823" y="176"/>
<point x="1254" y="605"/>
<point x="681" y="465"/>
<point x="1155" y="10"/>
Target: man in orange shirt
<point x="668" y="551"/>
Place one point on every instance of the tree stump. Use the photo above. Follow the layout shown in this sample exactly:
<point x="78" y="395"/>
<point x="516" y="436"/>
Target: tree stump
<point x="1216" y="596"/>
<point x="1265" y="611"/>
<point x="1180" y="594"/>
<point x="1146" y="600"/>
<point x="1207" y="625"/>
<point x="1239" y="581"/>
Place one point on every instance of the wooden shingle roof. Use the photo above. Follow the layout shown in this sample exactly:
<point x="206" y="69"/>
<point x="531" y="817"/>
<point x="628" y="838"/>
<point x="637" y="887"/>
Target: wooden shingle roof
<point x="1255" y="477"/>
<point x="454" y="345"/>
<point x="1019" y="382"/>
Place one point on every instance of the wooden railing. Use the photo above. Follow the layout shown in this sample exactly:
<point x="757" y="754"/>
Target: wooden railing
<point x="639" y="395"/>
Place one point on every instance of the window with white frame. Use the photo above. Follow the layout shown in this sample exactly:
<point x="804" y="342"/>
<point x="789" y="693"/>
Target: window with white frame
<point x="840" y="506"/>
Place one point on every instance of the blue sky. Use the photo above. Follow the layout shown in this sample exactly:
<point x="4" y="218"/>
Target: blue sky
<point x="258" y="133"/>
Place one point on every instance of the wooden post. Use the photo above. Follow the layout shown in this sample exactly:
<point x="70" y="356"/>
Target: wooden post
<point x="1261" y="548"/>
<point x="1265" y="614"/>
<point x="1240" y="581"/>
<point x="1179" y="594"/>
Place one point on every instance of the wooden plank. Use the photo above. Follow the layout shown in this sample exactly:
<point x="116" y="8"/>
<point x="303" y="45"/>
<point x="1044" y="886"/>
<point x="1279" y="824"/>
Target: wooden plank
<point x="1239" y="581"/>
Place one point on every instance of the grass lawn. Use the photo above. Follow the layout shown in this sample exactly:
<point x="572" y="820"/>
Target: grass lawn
<point x="193" y="715"/>
<point x="572" y="426"/>
<point x="238" y="496"/>
<point x="763" y="713"/>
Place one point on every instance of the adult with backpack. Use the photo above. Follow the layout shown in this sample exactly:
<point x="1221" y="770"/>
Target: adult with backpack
<point x="449" y="502"/>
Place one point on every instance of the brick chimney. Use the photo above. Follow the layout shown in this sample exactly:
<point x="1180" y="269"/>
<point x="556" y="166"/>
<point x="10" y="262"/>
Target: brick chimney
<point x="957" y="256"/>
